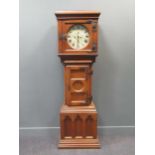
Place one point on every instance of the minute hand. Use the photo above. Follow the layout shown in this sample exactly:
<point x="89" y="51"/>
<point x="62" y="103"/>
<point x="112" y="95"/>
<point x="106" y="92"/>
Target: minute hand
<point x="78" y="40"/>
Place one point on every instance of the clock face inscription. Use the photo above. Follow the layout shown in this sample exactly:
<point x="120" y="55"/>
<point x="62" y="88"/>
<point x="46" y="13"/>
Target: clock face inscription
<point x="78" y="37"/>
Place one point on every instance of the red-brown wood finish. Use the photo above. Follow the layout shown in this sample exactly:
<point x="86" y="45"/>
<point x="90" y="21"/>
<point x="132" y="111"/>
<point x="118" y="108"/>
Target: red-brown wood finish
<point x="78" y="115"/>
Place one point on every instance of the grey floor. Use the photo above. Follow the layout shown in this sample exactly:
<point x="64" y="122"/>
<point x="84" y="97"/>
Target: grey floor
<point x="114" y="141"/>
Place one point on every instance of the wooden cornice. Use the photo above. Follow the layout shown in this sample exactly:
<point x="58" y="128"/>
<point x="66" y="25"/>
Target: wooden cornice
<point x="76" y="14"/>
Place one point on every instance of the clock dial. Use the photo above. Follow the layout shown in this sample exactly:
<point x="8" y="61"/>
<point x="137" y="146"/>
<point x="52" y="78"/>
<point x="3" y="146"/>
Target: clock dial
<point x="78" y="37"/>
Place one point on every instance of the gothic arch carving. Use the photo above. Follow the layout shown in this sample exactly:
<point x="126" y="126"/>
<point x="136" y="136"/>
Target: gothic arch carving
<point x="89" y="126"/>
<point x="78" y="126"/>
<point x="67" y="126"/>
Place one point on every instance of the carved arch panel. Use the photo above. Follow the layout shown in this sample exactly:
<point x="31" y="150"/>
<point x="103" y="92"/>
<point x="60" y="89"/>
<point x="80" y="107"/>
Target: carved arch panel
<point x="89" y="126"/>
<point x="78" y="127"/>
<point x="67" y="127"/>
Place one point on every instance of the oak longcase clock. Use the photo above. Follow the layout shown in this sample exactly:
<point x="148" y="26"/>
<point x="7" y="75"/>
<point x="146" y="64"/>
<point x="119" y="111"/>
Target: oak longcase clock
<point x="77" y="43"/>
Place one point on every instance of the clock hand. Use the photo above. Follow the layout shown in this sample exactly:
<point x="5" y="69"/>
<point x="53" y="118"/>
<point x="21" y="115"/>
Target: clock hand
<point x="78" y="40"/>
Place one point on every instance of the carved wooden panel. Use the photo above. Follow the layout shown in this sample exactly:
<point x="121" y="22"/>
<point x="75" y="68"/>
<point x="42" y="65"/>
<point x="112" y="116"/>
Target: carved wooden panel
<point x="67" y="127"/>
<point x="78" y="84"/>
<point x="77" y="126"/>
<point x="89" y="127"/>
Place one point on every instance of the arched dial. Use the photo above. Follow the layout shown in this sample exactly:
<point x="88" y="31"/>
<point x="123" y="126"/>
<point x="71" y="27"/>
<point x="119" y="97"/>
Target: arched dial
<point x="78" y="37"/>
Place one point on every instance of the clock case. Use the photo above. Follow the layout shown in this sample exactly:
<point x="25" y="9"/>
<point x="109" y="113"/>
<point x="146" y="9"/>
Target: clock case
<point x="78" y="115"/>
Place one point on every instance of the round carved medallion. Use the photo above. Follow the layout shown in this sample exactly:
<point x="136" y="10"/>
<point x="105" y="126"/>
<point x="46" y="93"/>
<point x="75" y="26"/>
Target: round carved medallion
<point x="77" y="85"/>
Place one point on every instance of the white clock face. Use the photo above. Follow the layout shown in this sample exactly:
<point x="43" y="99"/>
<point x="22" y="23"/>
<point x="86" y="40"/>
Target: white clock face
<point x="78" y="37"/>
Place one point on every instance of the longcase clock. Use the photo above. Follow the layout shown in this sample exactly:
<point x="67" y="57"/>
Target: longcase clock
<point x="78" y="44"/>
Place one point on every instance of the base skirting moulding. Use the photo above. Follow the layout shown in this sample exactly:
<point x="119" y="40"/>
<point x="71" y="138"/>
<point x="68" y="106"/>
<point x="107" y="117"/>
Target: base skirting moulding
<point x="83" y="143"/>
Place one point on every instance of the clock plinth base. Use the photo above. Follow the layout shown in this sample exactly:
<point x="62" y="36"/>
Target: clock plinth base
<point x="78" y="126"/>
<point x="79" y="143"/>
